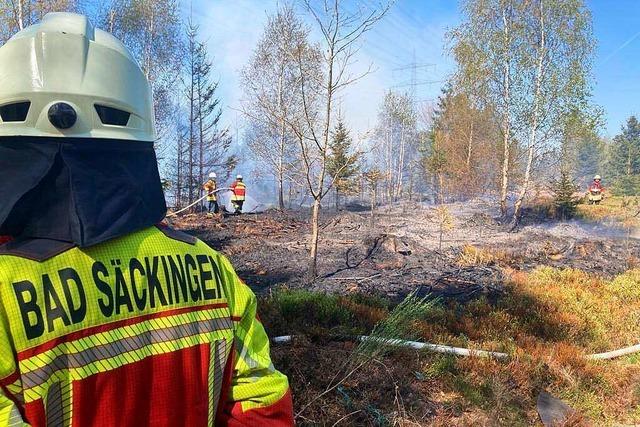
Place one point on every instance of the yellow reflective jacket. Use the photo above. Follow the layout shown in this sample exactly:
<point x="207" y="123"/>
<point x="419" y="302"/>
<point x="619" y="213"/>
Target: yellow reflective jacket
<point x="151" y="329"/>
<point x="210" y="187"/>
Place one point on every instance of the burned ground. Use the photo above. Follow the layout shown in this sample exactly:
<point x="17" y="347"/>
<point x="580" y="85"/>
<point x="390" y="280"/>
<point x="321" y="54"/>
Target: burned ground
<point x="399" y="250"/>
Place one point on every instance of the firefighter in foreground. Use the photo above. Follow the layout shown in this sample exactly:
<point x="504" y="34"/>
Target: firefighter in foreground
<point x="105" y="318"/>
<point x="210" y="187"/>
<point x="238" y="195"/>
<point x="596" y="191"/>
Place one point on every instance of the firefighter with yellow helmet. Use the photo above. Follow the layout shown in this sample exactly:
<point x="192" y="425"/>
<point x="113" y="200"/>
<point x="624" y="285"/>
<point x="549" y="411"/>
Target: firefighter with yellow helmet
<point x="211" y="188"/>
<point x="107" y="319"/>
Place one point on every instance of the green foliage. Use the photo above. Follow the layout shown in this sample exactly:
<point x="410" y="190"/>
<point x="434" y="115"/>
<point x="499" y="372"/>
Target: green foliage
<point x="442" y="364"/>
<point x="564" y="203"/>
<point x="627" y="185"/>
<point x="436" y="161"/>
<point x="305" y="309"/>
<point x="342" y="161"/>
<point x="400" y="324"/>
<point x="625" y="159"/>
<point x="313" y="313"/>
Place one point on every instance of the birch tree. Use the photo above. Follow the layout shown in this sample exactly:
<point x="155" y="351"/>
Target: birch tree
<point x="151" y="30"/>
<point x="272" y="94"/>
<point x="16" y="15"/>
<point x="341" y="30"/>
<point x="395" y="142"/>
<point x="487" y="48"/>
<point x="560" y="46"/>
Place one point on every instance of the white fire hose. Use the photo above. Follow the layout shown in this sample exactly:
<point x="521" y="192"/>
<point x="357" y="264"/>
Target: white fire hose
<point x="172" y="214"/>
<point x="445" y="349"/>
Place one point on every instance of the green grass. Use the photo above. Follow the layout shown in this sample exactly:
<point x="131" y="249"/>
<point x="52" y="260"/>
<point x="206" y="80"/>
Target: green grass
<point x="291" y="312"/>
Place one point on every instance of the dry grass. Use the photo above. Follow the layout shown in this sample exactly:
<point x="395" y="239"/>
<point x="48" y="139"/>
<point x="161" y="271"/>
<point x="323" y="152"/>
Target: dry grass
<point x="473" y="255"/>
<point x="622" y="210"/>
<point x="548" y="320"/>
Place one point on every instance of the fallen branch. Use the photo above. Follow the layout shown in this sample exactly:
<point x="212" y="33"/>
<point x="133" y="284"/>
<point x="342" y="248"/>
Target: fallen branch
<point x="357" y="279"/>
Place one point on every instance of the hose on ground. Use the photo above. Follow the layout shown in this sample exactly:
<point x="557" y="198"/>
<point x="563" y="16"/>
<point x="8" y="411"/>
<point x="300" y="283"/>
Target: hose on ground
<point x="445" y="349"/>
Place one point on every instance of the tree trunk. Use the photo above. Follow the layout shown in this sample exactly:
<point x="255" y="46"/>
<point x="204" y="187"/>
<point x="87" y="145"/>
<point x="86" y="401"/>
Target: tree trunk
<point x="374" y="190"/>
<point x="398" y="190"/>
<point x="312" y="273"/>
<point x="281" y="192"/>
<point x="283" y="136"/>
<point x="337" y="199"/>
<point x="470" y="148"/>
<point x="281" y="165"/>
<point x="525" y="187"/>
<point x="534" y="122"/>
<point x="201" y="138"/>
<point x="112" y="17"/>
<point x="191" y="122"/>
<point x="20" y="15"/>
<point x="506" y="122"/>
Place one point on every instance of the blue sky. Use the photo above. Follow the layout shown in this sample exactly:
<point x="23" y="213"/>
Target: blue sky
<point x="414" y="31"/>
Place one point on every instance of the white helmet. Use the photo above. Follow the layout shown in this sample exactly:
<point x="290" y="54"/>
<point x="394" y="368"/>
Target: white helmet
<point x="239" y="176"/>
<point x="62" y="77"/>
<point x="213" y="175"/>
<point x="596" y="177"/>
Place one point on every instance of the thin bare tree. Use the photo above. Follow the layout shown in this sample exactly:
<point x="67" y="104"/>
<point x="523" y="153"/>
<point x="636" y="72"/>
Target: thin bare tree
<point x="15" y="15"/>
<point x="341" y="31"/>
<point x="272" y="96"/>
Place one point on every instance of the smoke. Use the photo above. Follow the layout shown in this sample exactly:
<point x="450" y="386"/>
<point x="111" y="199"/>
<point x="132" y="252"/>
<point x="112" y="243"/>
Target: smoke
<point x="251" y="205"/>
<point x="577" y="229"/>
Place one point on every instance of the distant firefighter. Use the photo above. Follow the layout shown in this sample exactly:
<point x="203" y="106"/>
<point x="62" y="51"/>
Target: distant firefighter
<point x="210" y="187"/>
<point x="239" y="194"/>
<point x="596" y="191"/>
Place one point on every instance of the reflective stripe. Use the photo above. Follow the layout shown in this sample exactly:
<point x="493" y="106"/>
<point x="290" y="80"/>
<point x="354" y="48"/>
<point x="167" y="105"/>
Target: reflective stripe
<point x="49" y="345"/>
<point x="217" y="364"/>
<point x="244" y="354"/>
<point x="83" y="358"/>
<point x="13" y="390"/>
<point x="15" y="419"/>
<point x="53" y="405"/>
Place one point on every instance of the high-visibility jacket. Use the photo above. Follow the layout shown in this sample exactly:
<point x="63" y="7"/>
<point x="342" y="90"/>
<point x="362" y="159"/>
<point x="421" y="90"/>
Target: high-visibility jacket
<point x="239" y="191"/>
<point x="150" y="329"/>
<point x="596" y="186"/>
<point x="210" y="187"/>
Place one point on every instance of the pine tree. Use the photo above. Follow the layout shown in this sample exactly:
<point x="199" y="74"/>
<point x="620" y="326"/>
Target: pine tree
<point x="342" y="160"/>
<point x="625" y="159"/>
<point x="207" y="144"/>
<point x="564" y="203"/>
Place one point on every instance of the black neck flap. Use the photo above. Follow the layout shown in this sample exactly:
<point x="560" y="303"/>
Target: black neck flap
<point x="79" y="190"/>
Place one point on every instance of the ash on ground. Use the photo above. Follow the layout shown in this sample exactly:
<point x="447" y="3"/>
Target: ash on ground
<point x="405" y="248"/>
